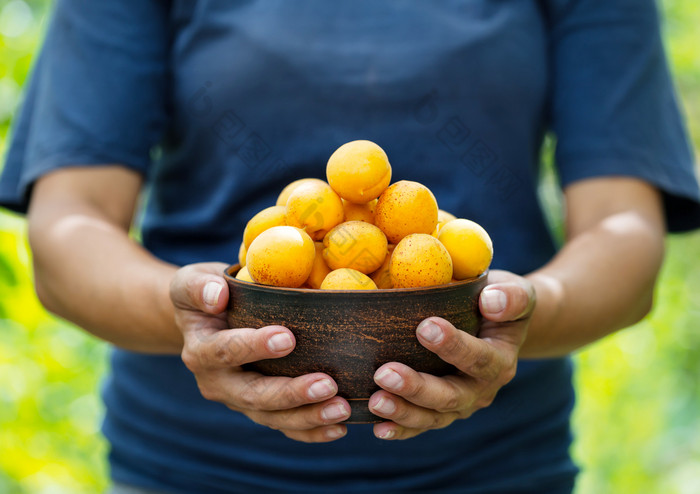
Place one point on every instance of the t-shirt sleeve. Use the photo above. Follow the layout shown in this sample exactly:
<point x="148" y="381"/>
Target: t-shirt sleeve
<point x="613" y="106"/>
<point x="96" y="95"/>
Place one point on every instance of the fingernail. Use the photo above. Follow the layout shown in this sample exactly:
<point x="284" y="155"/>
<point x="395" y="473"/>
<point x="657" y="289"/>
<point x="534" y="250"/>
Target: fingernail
<point x="211" y="293"/>
<point x="334" y="412"/>
<point x="389" y="379"/>
<point x="388" y="434"/>
<point x="430" y="331"/>
<point x="280" y="342"/>
<point x="321" y="389"/>
<point x="335" y="432"/>
<point x="493" y="301"/>
<point x="385" y="406"/>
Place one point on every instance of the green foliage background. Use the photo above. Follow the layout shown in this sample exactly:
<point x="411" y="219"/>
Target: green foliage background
<point x="637" y="422"/>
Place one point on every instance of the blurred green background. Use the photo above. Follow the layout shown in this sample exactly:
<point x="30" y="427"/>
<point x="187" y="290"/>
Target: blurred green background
<point x="637" y="421"/>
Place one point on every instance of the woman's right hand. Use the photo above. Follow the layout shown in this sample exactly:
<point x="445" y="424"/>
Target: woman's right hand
<point x="304" y="408"/>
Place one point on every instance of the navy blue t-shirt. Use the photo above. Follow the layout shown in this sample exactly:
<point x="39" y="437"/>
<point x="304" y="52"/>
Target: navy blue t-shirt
<point x="220" y="104"/>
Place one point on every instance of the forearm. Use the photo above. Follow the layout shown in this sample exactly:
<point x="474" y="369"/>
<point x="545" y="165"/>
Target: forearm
<point x="601" y="281"/>
<point x="88" y="270"/>
<point x="93" y="275"/>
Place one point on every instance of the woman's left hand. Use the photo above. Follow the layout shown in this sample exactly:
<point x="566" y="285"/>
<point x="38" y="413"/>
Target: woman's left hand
<point x="414" y="402"/>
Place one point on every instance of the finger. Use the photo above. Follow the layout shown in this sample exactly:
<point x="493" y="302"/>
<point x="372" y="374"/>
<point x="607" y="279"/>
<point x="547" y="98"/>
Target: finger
<point x="409" y="415"/>
<point x="507" y="301"/>
<point x="202" y="325"/>
<point x="230" y="348"/>
<point x="200" y="287"/>
<point x="253" y="391"/>
<point x="446" y="394"/>
<point x="318" y="435"/>
<point x="392" y="431"/>
<point x="480" y="358"/>
<point x="305" y="417"/>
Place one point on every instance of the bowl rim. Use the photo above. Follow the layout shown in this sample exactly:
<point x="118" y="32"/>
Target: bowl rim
<point x="272" y="289"/>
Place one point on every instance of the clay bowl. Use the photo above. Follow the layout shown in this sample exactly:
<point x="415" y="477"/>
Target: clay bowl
<point x="348" y="334"/>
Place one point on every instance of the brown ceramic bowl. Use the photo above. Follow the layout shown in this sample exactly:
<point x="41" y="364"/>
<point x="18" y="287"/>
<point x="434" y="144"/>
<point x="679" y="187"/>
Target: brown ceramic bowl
<point x="349" y="334"/>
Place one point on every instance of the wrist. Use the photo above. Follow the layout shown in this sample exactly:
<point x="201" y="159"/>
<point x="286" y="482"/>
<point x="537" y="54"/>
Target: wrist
<point x="546" y="317"/>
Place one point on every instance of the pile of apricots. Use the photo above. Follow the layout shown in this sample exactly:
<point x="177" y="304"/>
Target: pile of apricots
<point x="357" y="231"/>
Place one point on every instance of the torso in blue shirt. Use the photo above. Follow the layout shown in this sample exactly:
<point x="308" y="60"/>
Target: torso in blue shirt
<point x="263" y="93"/>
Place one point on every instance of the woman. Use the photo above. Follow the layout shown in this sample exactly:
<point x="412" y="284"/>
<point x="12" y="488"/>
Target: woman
<point x="191" y="116"/>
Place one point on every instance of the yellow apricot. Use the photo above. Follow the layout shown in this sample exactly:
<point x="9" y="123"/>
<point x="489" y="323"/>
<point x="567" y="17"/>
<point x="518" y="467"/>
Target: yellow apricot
<point x="244" y="275"/>
<point x="406" y="207"/>
<point x="347" y="279"/>
<point x="281" y="256"/>
<point x="267" y="218"/>
<point x="241" y="254"/>
<point x="443" y="217"/>
<point x="319" y="270"/>
<point x="359" y="171"/>
<point x="420" y="259"/>
<point x="356" y="245"/>
<point x="315" y="208"/>
<point x="359" y="212"/>
<point x="382" y="277"/>
<point x="319" y="235"/>
<point x="284" y="195"/>
<point x="469" y="245"/>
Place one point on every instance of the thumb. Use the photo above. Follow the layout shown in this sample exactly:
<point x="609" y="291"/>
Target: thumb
<point x="199" y="287"/>
<point x="509" y="301"/>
